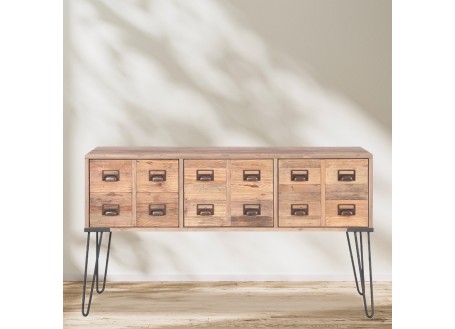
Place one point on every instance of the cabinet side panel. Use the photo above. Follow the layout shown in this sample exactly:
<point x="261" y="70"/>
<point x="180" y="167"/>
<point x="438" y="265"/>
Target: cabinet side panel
<point x="275" y="192"/>
<point x="181" y="193"/>
<point x="228" y="193"/>
<point x="87" y="193"/>
<point x="370" y="192"/>
<point x="134" y="193"/>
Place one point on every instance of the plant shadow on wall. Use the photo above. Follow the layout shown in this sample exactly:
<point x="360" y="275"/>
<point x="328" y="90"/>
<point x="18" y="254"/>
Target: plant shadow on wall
<point x="193" y="73"/>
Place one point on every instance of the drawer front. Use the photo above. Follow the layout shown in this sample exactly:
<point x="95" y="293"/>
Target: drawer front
<point x="341" y="213"/>
<point x="251" y="180"/>
<point x="110" y="209"/>
<point x="157" y="176"/>
<point x="347" y="179"/>
<point x="205" y="213"/>
<point x="299" y="213"/>
<point x="157" y="210"/>
<point x="299" y="193"/>
<point x="252" y="213"/>
<point x="205" y="180"/>
<point x="110" y="176"/>
<point x="299" y="172"/>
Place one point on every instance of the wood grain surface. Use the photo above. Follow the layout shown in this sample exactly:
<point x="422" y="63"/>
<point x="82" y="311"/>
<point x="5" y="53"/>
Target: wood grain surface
<point x="359" y="219"/>
<point x="144" y="219"/>
<point x="299" y="192"/>
<point x="124" y="168"/>
<point x="149" y="305"/>
<point x="242" y="190"/>
<point x="264" y="219"/>
<point x="275" y="191"/>
<point x="228" y="153"/>
<point x="338" y="190"/>
<point x="205" y="190"/>
<point x="123" y="200"/>
<point x="192" y="219"/>
<point x="170" y="168"/>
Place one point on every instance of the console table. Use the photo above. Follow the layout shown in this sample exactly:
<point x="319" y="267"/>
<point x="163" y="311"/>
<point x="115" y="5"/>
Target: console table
<point x="229" y="188"/>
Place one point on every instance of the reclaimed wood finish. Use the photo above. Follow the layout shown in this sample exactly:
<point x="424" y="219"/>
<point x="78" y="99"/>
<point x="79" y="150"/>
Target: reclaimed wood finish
<point x="242" y="188"/>
<point x="155" y="168"/>
<point x="123" y="168"/>
<point x="312" y="219"/>
<point x="146" y="202"/>
<point x="339" y="192"/>
<point x="273" y="304"/>
<point x="204" y="189"/>
<point x="120" y="201"/>
<point x="304" y="194"/>
<point x="246" y="190"/>
<point x="229" y="153"/>
<point x="333" y="218"/>
<point x="192" y="219"/>
<point x="265" y="218"/>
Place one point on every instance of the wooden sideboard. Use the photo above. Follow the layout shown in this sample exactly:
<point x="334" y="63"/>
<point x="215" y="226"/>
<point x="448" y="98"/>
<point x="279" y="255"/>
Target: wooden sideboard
<point x="229" y="188"/>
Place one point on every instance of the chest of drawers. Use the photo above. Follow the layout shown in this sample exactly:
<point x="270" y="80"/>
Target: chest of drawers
<point x="229" y="188"/>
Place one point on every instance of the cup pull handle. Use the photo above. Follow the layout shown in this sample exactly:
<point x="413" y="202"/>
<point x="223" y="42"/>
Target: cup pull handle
<point x="157" y="175"/>
<point x="111" y="210"/>
<point x="346" y="175"/>
<point x="251" y="175"/>
<point x="299" y="210"/>
<point x="299" y="175"/>
<point x="346" y="210"/>
<point x="205" y="210"/>
<point x="157" y="209"/>
<point x="251" y="209"/>
<point x="111" y="175"/>
<point x="204" y="175"/>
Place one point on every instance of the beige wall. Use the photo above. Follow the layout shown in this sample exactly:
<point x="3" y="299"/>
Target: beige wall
<point x="246" y="73"/>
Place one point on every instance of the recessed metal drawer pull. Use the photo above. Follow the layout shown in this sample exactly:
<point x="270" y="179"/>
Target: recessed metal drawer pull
<point x="252" y="175"/>
<point x="111" y="175"/>
<point x="205" y="210"/>
<point x="346" y="175"/>
<point x="111" y="210"/>
<point x="157" y="209"/>
<point x="204" y="175"/>
<point x="251" y="209"/>
<point x="299" y="210"/>
<point x="346" y="209"/>
<point x="157" y="175"/>
<point x="299" y="175"/>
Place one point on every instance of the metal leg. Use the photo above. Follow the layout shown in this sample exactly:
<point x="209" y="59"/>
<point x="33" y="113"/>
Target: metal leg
<point x="99" y="239"/>
<point x="105" y="268"/>
<point x="360" y="263"/>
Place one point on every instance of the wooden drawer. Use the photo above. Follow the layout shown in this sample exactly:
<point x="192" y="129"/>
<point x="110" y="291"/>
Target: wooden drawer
<point x="110" y="209"/>
<point x="339" y="213"/>
<point x="243" y="213"/>
<point x="299" y="193"/>
<point x="110" y="176"/>
<point x="299" y="213"/>
<point x="251" y="180"/>
<point x="157" y="210"/>
<point x="197" y="213"/>
<point x="347" y="179"/>
<point x="299" y="172"/>
<point x="157" y="175"/>
<point x="205" y="180"/>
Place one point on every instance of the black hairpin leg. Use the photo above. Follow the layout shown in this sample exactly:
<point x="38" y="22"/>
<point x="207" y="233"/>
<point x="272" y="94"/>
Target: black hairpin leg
<point x="95" y="277"/>
<point x="359" y="252"/>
